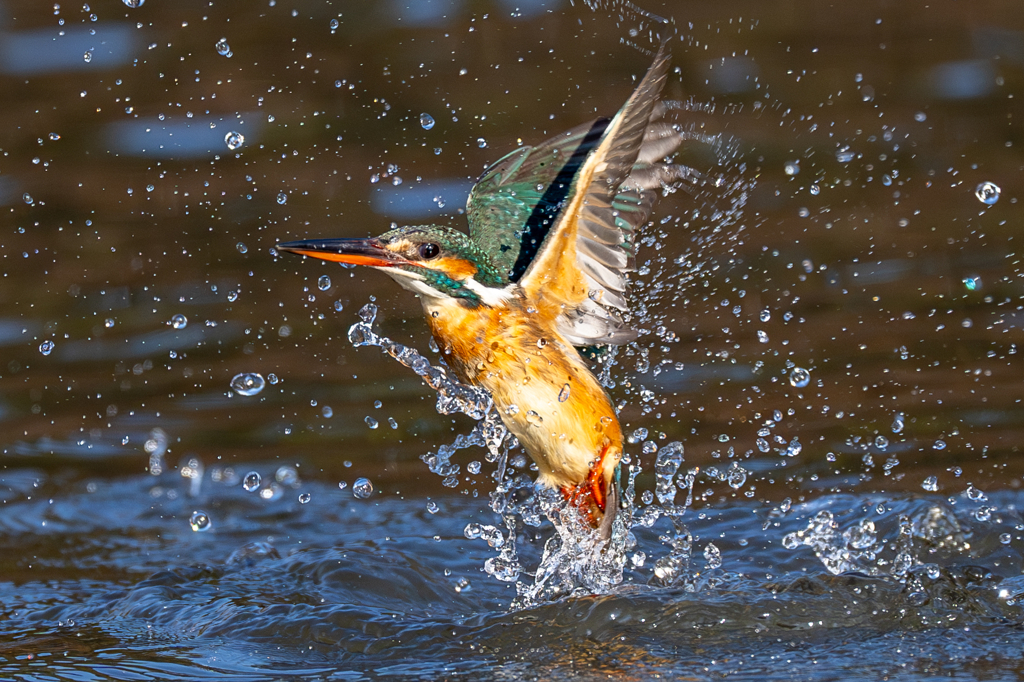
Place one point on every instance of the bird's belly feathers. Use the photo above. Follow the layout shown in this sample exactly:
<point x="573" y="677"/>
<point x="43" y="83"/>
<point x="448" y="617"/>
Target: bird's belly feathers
<point x="544" y="393"/>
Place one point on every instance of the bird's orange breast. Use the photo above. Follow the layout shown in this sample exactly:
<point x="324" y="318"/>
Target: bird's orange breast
<point x="543" y="391"/>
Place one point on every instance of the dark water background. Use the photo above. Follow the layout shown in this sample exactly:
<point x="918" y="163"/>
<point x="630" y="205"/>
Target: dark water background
<point x="862" y="526"/>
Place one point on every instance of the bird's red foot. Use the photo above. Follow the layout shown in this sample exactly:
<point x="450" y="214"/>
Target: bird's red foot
<point x="590" y="497"/>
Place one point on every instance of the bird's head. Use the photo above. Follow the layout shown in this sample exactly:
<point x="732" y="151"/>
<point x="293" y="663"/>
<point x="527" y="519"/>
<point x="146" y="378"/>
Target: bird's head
<point x="429" y="260"/>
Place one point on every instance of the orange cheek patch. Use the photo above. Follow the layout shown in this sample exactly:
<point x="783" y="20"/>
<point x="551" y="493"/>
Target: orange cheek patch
<point x="456" y="268"/>
<point x="347" y="258"/>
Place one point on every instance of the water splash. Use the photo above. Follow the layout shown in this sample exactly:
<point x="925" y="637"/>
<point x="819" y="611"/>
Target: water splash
<point x="452" y="396"/>
<point x="575" y="560"/>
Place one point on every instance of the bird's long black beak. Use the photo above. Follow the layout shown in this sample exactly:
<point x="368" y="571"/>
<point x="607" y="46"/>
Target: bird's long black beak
<point x="354" y="251"/>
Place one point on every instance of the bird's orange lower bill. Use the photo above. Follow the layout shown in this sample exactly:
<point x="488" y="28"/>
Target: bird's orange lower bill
<point x="353" y="259"/>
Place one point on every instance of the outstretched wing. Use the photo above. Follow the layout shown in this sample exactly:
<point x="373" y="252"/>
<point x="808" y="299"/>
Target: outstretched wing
<point x="516" y="201"/>
<point x="578" y="270"/>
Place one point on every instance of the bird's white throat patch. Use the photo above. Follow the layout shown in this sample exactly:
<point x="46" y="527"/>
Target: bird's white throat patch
<point x="414" y="282"/>
<point x="489" y="295"/>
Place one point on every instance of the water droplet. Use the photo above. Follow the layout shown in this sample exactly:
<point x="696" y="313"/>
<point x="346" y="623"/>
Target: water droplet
<point x="670" y="458"/>
<point x="792" y="167"/>
<point x="638" y="436"/>
<point x="342" y="485"/>
<point x="881" y="442"/>
<point x="371" y="422"/>
<point x="713" y="556"/>
<point x="232" y="296"/>
<point x="736" y="476"/>
<point x="972" y="283"/>
<point x="563" y="395"/>
<point x="200" y="522"/>
<point x="975" y="494"/>
<point x="327" y="412"/>
<point x="362" y="488"/>
<point x="179" y="321"/>
<point x="481" y="142"/>
<point x="134" y="4"/>
<point x="335" y="24"/>
<point x="920" y="117"/>
<point x="324" y="283"/>
<point x="799" y="377"/>
<point x="1005" y="538"/>
<point x="432" y="507"/>
<point x="392" y="423"/>
<point x="437" y="151"/>
<point x="272" y="378"/>
<point x="242" y="248"/>
<point x="251" y="481"/>
<point x="815" y="190"/>
<point x="46" y="347"/>
<point x="287" y="475"/>
<point x="54" y="136"/>
<point x="897" y="423"/>
<point x="844" y="155"/>
<point x="234" y="140"/>
<point x="27" y="198"/>
<point x="931" y="484"/>
<point x="304" y="498"/>
<point x="426" y="121"/>
<point x="762" y="336"/>
<point x="766" y="315"/>
<point x="473" y="467"/>
<point x="223" y="48"/>
<point x="247" y="384"/>
<point x="988" y="193"/>
<point x="282" y="198"/>
<point x="87" y="57"/>
<point x="939" y="445"/>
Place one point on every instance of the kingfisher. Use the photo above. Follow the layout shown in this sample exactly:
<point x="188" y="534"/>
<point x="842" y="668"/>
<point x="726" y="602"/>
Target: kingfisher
<point x="540" y="280"/>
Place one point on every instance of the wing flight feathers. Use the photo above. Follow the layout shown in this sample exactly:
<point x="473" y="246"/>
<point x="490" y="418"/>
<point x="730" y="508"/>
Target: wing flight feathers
<point x="579" y="273"/>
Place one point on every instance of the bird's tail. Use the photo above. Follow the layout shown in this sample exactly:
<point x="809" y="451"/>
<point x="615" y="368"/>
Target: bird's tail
<point x="611" y="506"/>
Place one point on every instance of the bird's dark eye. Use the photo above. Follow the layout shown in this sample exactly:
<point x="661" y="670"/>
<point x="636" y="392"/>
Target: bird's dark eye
<point x="429" y="250"/>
